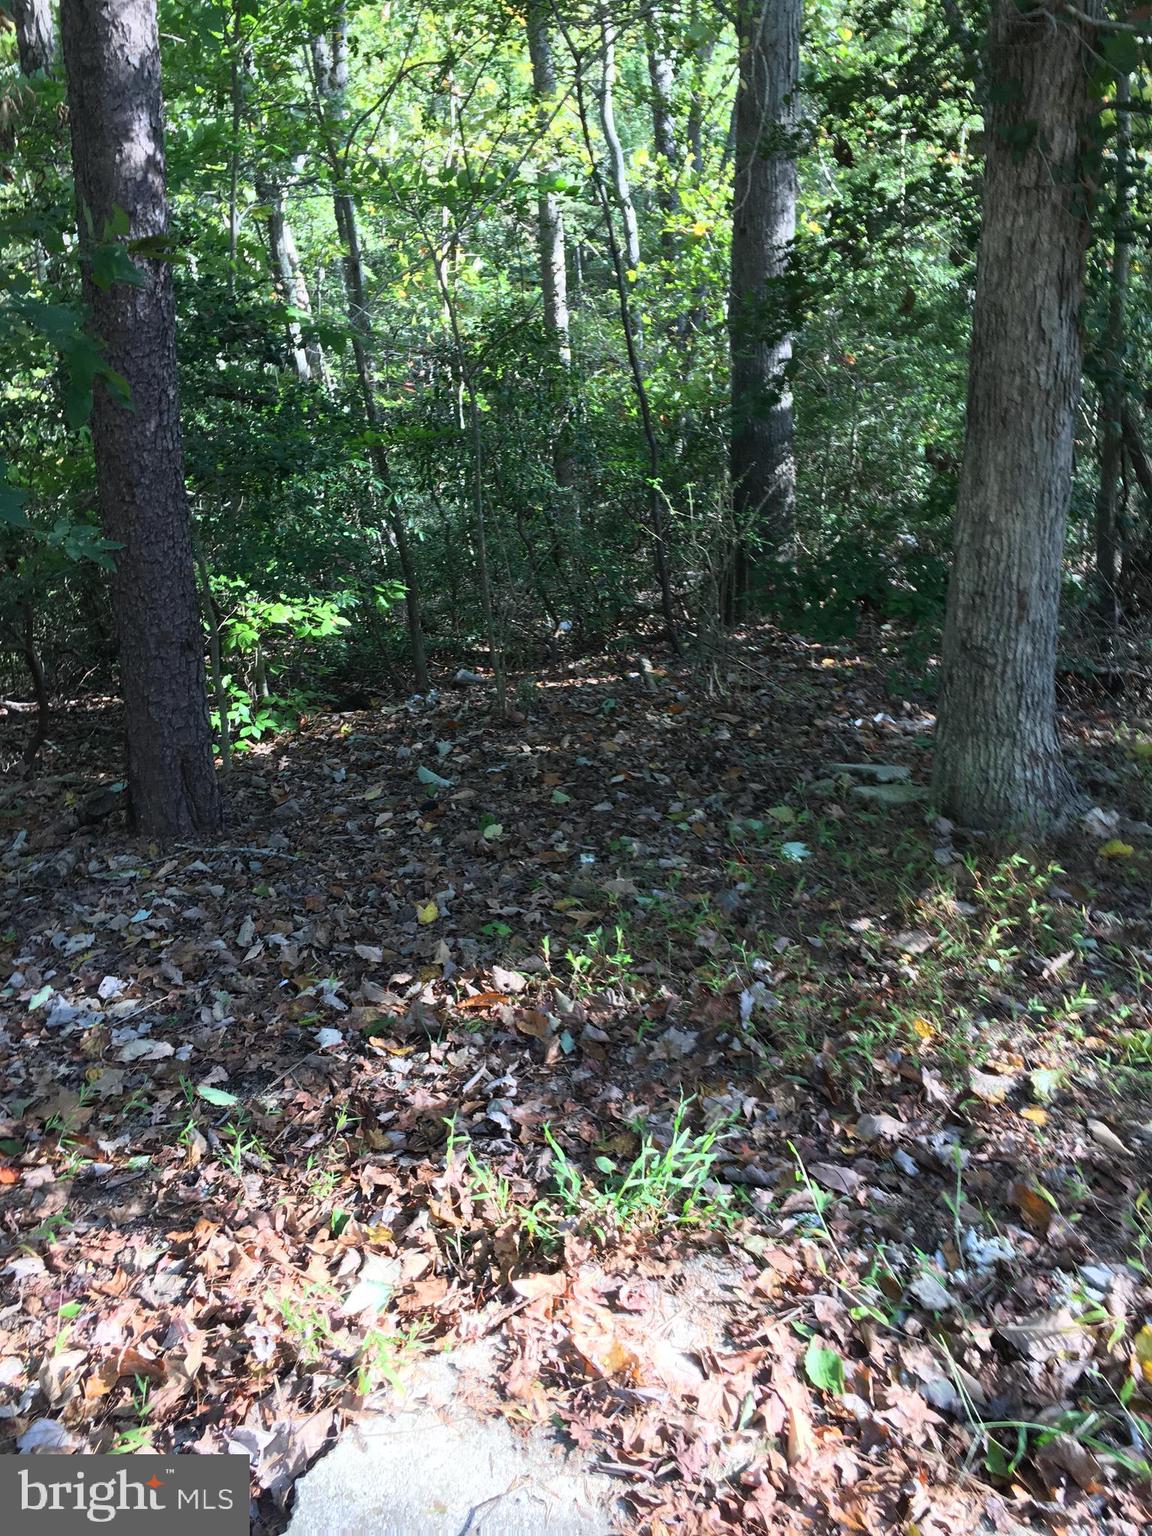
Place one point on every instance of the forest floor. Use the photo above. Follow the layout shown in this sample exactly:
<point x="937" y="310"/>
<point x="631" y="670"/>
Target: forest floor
<point x="789" y="1147"/>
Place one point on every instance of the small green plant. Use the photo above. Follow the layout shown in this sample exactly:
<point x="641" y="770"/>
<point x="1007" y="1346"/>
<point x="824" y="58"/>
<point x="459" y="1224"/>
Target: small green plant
<point x="50" y="1228"/>
<point x="1016" y="902"/>
<point x="64" y="1317"/>
<point x="955" y="1200"/>
<point x="1007" y="1443"/>
<point x="488" y="1185"/>
<point x="250" y="720"/>
<point x="661" y="1186"/>
<point x="481" y="1180"/>
<point x="821" y="1198"/>
<point x="255" y="632"/>
<point x="74" y="1162"/>
<point x="308" y="1326"/>
<point x="343" y="1120"/>
<point x="599" y="961"/>
<point x="64" y="1126"/>
<point x="382" y="1355"/>
<point x="322" y="1182"/>
<point x="136" y="1440"/>
<point x="239" y="1149"/>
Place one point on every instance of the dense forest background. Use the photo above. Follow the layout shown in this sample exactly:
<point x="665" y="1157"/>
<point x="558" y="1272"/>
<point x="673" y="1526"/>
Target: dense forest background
<point x="384" y="390"/>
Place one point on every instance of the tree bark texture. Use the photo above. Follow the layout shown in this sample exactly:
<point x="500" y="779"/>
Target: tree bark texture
<point x="1138" y="454"/>
<point x="35" y="35"/>
<point x="1113" y="382"/>
<point x="617" y="160"/>
<point x="112" y="59"/>
<point x="765" y="123"/>
<point x="550" y="239"/>
<point x="998" y="762"/>
<point x="549" y="217"/>
<point x="307" y="357"/>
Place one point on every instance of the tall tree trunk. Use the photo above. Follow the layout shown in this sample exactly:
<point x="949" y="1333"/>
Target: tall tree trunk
<point x="112" y="58"/>
<point x="213" y="618"/>
<point x="35" y="665"/>
<point x="617" y="163"/>
<point x="765" y="121"/>
<point x="330" y="63"/>
<point x="661" y="80"/>
<point x="1112" y="386"/>
<point x="998" y="762"/>
<point x="549" y="218"/>
<point x="307" y="356"/>
<point x="36" y="44"/>
<point x="237" y="94"/>
<point x="657" y="520"/>
<point x="35" y="35"/>
<point x="702" y="49"/>
<point x="550" y="234"/>
<point x="21" y="627"/>
<point x="698" y="100"/>
<point x="1140" y="459"/>
<point x="1138" y="557"/>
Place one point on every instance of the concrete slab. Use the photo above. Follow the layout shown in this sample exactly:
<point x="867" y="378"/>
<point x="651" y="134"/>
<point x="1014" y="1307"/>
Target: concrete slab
<point x="414" y="1474"/>
<point x="440" y="1461"/>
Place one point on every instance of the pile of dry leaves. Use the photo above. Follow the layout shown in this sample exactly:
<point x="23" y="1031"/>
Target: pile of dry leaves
<point x="789" y="1147"/>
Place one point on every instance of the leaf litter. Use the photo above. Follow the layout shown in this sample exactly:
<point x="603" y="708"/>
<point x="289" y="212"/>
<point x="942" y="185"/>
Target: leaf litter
<point x="733" y="1153"/>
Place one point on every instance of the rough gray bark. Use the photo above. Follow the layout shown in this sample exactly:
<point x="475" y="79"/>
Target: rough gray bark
<point x="112" y="59"/>
<point x="35" y="35"/>
<point x="765" y="122"/>
<point x="1108" y="542"/>
<point x="307" y="356"/>
<point x="549" y="217"/>
<point x="330" y="65"/>
<point x="998" y="762"/>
